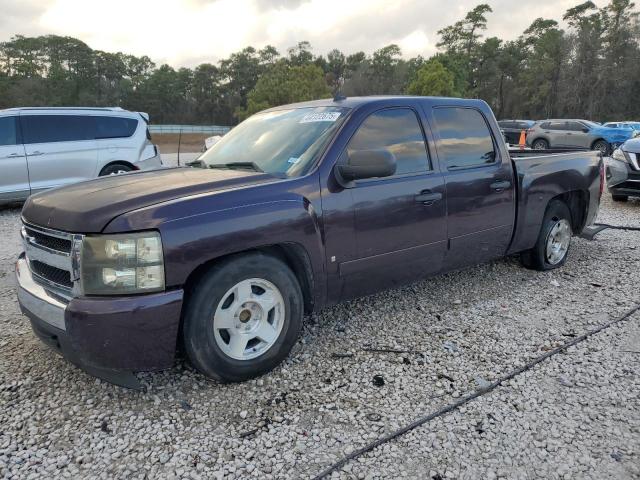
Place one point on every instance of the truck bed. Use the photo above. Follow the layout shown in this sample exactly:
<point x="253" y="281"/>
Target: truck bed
<point x="542" y="175"/>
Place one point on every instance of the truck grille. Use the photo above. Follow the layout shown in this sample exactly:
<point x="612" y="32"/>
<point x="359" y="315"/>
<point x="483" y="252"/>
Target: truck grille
<point x="54" y="243"/>
<point x="52" y="274"/>
<point x="50" y="257"/>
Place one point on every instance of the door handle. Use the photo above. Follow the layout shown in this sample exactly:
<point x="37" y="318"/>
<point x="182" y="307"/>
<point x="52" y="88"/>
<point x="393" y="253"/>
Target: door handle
<point x="11" y="155"/>
<point x="35" y="154"/>
<point x="500" y="186"/>
<point x="427" y="198"/>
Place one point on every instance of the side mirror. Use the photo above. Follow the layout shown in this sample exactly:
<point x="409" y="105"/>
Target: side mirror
<point x="363" y="164"/>
<point x="585" y="130"/>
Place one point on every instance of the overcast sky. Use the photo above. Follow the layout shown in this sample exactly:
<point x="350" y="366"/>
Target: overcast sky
<point x="188" y="32"/>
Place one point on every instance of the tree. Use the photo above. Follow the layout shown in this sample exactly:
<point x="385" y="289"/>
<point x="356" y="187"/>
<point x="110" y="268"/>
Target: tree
<point x="283" y="84"/>
<point x="433" y="79"/>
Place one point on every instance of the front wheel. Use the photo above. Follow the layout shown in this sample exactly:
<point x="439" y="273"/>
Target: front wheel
<point x="603" y="147"/>
<point x="242" y="317"/>
<point x="552" y="246"/>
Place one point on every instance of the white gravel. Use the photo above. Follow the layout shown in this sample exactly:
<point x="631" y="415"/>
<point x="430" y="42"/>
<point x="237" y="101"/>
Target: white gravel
<point x="575" y="416"/>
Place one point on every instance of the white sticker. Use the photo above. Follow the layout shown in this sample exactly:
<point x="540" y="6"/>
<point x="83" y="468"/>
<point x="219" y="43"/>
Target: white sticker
<point x="293" y="160"/>
<point x="320" y="117"/>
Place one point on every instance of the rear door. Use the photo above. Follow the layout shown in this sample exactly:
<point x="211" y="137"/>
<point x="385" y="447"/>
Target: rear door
<point x="576" y="136"/>
<point x="61" y="149"/>
<point x="479" y="186"/>
<point x="14" y="180"/>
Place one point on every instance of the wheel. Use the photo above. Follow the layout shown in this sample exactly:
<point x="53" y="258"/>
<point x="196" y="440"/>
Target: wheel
<point x="115" y="169"/>
<point x="620" y="198"/>
<point x="602" y="146"/>
<point x="540" y="144"/>
<point x="242" y="317"/>
<point x="552" y="247"/>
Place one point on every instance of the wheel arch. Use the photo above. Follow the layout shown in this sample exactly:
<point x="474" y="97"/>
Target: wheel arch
<point x="292" y="254"/>
<point x="117" y="162"/>
<point x="578" y="203"/>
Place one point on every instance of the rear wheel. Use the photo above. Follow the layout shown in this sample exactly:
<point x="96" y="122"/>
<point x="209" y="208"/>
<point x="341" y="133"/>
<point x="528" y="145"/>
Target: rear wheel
<point x="115" y="169"/>
<point x="243" y="317"/>
<point x="540" y="144"/>
<point x="620" y="198"/>
<point x="553" y="243"/>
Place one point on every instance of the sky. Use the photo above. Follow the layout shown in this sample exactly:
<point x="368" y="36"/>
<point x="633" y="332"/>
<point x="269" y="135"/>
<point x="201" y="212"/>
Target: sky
<point x="189" y="32"/>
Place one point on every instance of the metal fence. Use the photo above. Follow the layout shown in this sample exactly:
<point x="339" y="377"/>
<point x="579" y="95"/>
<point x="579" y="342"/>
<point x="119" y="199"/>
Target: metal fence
<point x="210" y="129"/>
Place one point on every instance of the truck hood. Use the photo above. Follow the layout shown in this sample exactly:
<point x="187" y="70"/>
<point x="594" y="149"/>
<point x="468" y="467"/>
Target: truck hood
<point x="87" y="207"/>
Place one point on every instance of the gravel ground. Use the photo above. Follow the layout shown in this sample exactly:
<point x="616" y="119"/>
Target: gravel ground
<point x="577" y="415"/>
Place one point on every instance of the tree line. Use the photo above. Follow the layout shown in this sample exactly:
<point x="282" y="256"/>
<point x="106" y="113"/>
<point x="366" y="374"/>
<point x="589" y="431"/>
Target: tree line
<point x="589" y="70"/>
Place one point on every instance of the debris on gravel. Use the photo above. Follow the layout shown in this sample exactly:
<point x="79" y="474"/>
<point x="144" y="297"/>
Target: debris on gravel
<point x="576" y="415"/>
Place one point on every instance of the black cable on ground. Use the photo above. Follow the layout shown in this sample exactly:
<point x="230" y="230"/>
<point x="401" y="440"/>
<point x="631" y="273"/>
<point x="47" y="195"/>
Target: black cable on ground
<point x="617" y="227"/>
<point x="453" y="406"/>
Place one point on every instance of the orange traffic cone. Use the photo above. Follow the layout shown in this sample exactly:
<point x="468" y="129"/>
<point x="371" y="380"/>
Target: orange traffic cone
<point x="523" y="140"/>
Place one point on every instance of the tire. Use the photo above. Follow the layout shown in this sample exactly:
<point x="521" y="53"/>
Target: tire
<point x="215" y="349"/>
<point x="620" y="198"/>
<point x="555" y="225"/>
<point x="540" y="144"/>
<point x="115" y="169"/>
<point x="602" y="146"/>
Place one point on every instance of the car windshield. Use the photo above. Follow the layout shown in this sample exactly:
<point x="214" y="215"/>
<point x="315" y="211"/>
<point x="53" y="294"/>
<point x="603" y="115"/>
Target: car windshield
<point x="284" y="143"/>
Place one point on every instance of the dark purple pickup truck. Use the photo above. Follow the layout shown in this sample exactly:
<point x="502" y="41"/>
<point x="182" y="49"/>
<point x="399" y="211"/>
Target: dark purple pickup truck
<point x="299" y="207"/>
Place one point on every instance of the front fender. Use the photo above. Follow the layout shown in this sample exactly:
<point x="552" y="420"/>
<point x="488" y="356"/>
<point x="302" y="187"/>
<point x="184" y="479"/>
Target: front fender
<point x="192" y="241"/>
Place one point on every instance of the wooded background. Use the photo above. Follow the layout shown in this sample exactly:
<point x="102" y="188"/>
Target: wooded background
<point x="589" y="70"/>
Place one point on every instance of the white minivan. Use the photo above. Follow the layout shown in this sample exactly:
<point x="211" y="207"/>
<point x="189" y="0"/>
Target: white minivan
<point x="42" y="148"/>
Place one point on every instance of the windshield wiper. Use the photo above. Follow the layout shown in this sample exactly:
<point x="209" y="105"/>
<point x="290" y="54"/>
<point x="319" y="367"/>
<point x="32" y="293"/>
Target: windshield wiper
<point x="239" y="165"/>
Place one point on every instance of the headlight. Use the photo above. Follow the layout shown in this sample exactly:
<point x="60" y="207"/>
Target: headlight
<point x="122" y="264"/>
<point x="619" y="155"/>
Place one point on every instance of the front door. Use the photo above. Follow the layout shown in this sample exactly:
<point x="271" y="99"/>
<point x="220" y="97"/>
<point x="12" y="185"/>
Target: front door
<point x="61" y="149"/>
<point x="479" y="187"/>
<point x="399" y="221"/>
<point x="14" y="181"/>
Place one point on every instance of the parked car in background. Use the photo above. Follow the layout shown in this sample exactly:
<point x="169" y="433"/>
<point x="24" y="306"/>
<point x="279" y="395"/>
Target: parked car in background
<point x="42" y="148"/>
<point x="632" y="125"/>
<point x="298" y="207"/>
<point x="623" y="171"/>
<point x="511" y="129"/>
<point x="210" y="142"/>
<point x="576" y="134"/>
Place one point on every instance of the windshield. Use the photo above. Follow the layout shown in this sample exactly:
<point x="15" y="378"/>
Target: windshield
<point x="283" y="143"/>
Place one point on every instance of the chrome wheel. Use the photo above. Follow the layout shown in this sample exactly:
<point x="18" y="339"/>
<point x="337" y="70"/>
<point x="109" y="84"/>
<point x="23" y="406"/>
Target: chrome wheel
<point x="558" y="242"/>
<point x="249" y="318"/>
<point x="118" y="172"/>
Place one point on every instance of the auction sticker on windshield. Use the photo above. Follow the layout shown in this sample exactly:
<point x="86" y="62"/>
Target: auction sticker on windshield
<point x="320" y="117"/>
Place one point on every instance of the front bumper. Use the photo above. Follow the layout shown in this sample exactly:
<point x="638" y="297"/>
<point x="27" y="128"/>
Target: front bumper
<point x="103" y="335"/>
<point x="622" y="178"/>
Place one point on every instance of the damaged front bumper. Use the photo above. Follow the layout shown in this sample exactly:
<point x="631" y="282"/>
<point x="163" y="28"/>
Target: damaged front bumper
<point x="108" y="337"/>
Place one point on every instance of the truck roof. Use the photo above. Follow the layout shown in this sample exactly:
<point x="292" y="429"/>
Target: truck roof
<point x="355" y="102"/>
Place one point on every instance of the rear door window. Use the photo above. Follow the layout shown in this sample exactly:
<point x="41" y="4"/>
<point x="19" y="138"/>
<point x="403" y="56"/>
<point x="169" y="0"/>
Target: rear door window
<point x="575" y="126"/>
<point x="556" y="126"/>
<point x="57" y="128"/>
<point x="115" y="127"/>
<point x="465" y="138"/>
<point x="396" y="130"/>
<point x="8" y="131"/>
